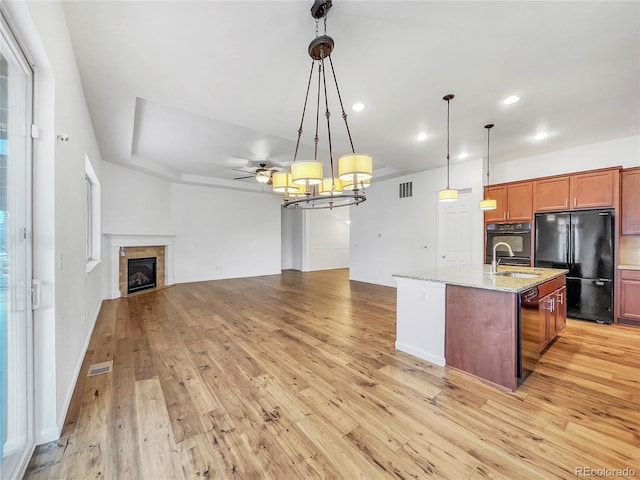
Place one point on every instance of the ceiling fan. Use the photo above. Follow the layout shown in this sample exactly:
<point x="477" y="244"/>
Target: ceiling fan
<point x="261" y="174"/>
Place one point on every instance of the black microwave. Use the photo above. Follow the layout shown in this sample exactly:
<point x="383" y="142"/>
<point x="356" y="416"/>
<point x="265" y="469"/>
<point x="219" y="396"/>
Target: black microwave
<point x="516" y="235"/>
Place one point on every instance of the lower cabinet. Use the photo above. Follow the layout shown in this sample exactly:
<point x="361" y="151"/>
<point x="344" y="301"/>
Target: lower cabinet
<point x="630" y="297"/>
<point x="552" y="311"/>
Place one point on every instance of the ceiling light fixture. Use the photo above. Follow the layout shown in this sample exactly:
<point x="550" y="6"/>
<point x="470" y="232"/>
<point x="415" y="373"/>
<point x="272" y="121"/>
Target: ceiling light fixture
<point x="488" y="203"/>
<point x="358" y="107"/>
<point x="421" y="137"/>
<point x="463" y="155"/>
<point x="511" y="99"/>
<point x="541" y="136"/>
<point x="314" y="191"/>
<point x="449" y="194"/>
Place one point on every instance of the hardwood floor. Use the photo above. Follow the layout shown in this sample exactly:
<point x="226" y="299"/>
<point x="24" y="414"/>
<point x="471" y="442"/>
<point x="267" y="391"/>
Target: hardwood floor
<point x="296" y="376"/>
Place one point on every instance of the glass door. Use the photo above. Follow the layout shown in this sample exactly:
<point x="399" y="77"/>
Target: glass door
<point x="16" y="351"/>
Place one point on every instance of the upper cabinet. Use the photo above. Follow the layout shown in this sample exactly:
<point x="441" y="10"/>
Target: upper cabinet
<point x="630" y="201"/>
<point x="514" y="202"/>
<point x="582" y="190"/>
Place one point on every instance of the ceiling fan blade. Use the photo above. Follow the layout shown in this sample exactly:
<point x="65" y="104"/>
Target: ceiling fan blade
<point x="241" y="178"/>
<point x="239" y="170"/>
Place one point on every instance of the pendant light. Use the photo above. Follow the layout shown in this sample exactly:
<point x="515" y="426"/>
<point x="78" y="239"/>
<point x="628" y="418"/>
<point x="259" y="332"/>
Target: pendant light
<point x="488" y="203"/>
<point x="449" y="194"/>
<point x="307" y="188"/>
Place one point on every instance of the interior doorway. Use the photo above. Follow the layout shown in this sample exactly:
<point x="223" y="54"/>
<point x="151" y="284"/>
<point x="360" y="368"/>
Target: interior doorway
<point x="455" y="230"/>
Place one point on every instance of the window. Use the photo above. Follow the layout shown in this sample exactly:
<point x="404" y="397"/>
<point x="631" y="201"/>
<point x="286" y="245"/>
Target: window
<point x="93" y="215"/>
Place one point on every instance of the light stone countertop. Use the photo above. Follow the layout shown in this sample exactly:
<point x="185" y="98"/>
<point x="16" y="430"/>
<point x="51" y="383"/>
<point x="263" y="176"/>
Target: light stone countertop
<point x="477" y="276"/>
<point x="628" y="267"/>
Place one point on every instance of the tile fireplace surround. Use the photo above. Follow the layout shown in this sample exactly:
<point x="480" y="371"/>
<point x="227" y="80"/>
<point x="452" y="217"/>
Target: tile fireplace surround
<point x="113" y="243"/>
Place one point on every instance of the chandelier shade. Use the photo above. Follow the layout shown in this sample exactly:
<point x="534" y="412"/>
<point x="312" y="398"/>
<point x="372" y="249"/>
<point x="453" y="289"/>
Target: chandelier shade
<point x="355" y="167"/>
<point x="283" y="183"/>
<point x="308" y="172"/>
<point x="359" y="185"/>
<point x="331" y="186"/>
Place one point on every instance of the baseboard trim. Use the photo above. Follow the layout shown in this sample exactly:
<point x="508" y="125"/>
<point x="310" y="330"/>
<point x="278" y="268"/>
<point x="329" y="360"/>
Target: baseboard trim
<point x="416" y="352"/>
<point x="67" y="401"/>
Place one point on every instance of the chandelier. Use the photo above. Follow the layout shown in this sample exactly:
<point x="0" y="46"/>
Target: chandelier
<point x="488" y="203"/>
<point x="306" y="187"/>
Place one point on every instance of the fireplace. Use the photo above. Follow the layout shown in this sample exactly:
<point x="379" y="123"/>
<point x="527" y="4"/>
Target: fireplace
<point x="141" y="274"/>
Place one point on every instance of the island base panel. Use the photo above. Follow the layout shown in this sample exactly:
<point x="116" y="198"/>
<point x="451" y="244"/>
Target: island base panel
<point x="481" y="334"/>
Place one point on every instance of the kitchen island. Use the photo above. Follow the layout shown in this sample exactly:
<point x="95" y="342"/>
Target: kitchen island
<point x="464" y="317"/>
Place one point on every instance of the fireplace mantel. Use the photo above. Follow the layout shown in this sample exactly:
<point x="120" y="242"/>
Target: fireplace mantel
<point x="113" y="242"/>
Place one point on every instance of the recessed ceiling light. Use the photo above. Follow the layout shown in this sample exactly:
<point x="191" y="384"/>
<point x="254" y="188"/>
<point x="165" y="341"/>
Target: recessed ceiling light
<point x="421" y="137"/>
<point x="511" y="99"/>
<point x="358" y="107"/>
<point x="541" y="136"/>
<point x="463" y="155"/>
<point x="348" y="222"/>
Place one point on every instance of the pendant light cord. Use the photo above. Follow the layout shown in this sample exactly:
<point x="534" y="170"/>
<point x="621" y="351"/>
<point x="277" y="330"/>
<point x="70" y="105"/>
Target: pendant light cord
<point x="488" y="163"/>
<point x="448" y="100"/>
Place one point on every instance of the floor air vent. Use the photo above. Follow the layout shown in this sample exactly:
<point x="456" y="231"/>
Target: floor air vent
<point x="406" y="189"/>
<point x="100" y="368"/>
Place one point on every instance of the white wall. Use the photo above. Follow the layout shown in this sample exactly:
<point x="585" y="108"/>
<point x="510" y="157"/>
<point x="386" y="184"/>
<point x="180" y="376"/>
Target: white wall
<point x="134" y="203"/>
<point x="286" y="238"/>
<point x="224" y="233"/>
<point x="623" y="151"/>
<point x="389" y="234"/>
<point x="326" y="239"/>
<point x="393" y="235"/>
<point x="71" y="298"/>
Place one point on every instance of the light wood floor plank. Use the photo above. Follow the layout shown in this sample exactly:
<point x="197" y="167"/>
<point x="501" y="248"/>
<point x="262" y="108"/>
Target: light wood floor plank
<point x="296" y="376"/>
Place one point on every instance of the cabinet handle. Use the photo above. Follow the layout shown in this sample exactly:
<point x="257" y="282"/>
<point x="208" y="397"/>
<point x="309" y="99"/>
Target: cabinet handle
<point x="561" y="299"/>
<point x="552" y="305"/>
<point x="566" y="202"/>
<point x="504" y="216"/>
<point x="575" y="202"/>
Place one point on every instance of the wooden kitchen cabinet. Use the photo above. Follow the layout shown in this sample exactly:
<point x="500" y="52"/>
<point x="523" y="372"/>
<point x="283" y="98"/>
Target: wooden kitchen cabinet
<point x="514" y="202"/>
<point x="630" y="297"/>
<point x="552" y="310"/>
<point x="630" y="201"/>
<point x="573" y="192"/>
<point x="551" y="194"/>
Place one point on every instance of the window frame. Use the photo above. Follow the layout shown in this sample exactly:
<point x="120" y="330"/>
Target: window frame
<point x="93" y="231"/>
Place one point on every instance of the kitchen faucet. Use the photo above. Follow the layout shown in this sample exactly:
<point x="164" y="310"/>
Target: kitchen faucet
<point x="494" y="264"/>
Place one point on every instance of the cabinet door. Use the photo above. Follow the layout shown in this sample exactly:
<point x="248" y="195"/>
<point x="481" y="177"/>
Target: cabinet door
<point x="630" y="202"/>
<point x="520" y="201"/>
<point x="590" y="190"/>
<point x="545" y="311"/>
<point x="561" y="309"/>
<point x="499" y="194"/>
<point x="551" y="194"/>
<point x="630" y="299"/>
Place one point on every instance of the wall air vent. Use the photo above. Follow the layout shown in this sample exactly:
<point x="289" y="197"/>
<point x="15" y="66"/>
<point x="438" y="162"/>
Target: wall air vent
<point x="406" y="189"/>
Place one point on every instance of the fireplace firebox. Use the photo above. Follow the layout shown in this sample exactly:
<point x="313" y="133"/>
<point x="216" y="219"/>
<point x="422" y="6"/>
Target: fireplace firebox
<point x="141" y="274"/>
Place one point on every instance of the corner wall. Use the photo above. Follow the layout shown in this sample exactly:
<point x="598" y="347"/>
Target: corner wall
<point x="71" y="297"/>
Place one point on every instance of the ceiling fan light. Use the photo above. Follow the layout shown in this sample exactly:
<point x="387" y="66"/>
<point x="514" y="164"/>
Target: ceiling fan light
<point x="448" y="195"/>
<point x="488" y="204"/>
<point x="282" y="183"/>
<point x="355" y="167"/>
<point x="306" y="172"/>
<point x="331" y="186"/>
<point x="263" y="177"/>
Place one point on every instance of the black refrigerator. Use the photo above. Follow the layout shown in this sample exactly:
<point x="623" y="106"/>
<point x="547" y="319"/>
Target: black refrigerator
<point x="581" y="242"/>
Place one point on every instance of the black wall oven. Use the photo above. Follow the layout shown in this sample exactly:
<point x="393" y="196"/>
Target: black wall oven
<point x="516" y="235"/>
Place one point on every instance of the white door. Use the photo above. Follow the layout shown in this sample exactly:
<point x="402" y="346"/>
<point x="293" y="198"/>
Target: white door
<point x="16" y="352"/>
<point x="455" y="230"/>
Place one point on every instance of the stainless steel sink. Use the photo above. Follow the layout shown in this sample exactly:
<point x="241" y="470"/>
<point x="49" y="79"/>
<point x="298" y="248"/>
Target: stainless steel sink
<point x="517" y="274"/>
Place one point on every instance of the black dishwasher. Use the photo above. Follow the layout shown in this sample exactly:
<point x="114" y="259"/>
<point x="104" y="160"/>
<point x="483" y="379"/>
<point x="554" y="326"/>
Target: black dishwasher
<point x="528" y="333"/>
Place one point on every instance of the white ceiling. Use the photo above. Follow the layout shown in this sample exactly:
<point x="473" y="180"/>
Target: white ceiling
<point x="191" y="90"/>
